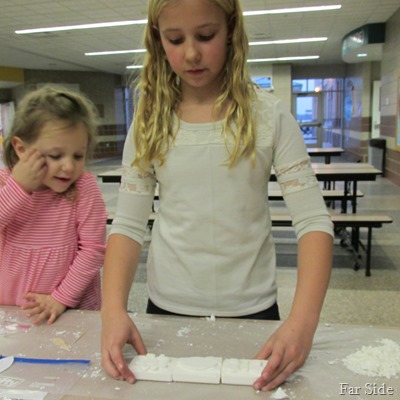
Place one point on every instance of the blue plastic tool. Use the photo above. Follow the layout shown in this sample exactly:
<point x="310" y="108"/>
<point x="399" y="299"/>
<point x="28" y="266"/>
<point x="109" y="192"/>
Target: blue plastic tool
<point x="48" y="360"/>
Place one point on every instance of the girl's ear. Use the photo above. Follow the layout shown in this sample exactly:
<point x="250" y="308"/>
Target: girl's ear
<point x="18" y="145"/>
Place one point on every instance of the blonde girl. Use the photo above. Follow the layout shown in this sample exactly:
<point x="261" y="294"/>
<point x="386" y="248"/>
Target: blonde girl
<point x="52" y="215"/>
<point x="210" y="138"/>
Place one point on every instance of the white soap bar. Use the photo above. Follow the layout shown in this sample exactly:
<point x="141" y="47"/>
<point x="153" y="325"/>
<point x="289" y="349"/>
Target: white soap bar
<point x="213" y="370"/>
<point x="241" y="372"/>
<point x="152" y="368"/>
<point x="197" y="370"/>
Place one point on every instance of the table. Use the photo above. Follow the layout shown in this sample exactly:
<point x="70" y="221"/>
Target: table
<point x="349" y="173"/>
<point x="77" y="335"/>
<point x="111" y="176"/>
<point x="326" y="152"/>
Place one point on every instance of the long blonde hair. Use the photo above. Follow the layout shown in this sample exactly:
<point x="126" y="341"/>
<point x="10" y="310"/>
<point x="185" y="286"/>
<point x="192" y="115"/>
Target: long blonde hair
<point x="158" y="92"/>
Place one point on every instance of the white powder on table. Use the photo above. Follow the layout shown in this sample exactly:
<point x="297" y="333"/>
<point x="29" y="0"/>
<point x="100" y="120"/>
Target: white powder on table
<point x="376" y="361"/>
<point x="183" y="331"/>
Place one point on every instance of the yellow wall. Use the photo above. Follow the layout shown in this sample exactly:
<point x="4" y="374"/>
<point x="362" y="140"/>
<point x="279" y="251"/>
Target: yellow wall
<point x="11" y="74"/>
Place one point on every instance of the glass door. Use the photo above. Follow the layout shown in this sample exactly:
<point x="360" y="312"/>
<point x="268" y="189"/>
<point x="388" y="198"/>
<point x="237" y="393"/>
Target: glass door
<point x="308" y="113"/>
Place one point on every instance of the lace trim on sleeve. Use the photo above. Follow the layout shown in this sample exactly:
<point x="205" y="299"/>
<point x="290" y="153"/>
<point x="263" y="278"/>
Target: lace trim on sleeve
<point x="135" y="181"/>
<point x="296" y="176"/>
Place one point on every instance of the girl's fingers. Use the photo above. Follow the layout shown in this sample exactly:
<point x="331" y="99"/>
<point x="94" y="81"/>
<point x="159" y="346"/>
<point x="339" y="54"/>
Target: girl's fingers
<point x="280" y="378"/>
<point x="52" y="318"/>
<point x="112" y="365"/>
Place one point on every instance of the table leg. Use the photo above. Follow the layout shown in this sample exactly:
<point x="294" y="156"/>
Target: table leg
<point x="354" y="200"/>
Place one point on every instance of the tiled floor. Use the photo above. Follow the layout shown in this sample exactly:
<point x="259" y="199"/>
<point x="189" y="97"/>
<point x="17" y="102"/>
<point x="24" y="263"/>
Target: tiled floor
<point x="352" y="297"/>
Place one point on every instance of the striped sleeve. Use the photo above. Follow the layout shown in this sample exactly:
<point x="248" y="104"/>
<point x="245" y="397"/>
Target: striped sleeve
<point x="91" y="226"/>
<point x="12" y="198"/>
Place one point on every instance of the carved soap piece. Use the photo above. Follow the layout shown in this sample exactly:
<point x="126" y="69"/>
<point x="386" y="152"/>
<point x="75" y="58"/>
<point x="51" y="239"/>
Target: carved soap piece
<point x="197" y="370"/>
<point x="212" y="370"/>
<point x="240" y="371"/>
<point x="152" y="368"/>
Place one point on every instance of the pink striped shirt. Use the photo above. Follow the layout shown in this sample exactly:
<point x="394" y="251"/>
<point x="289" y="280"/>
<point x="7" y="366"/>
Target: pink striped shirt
<point x="50" y="244"/>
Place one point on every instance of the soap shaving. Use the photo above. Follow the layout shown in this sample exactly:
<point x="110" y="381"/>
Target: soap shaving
<point x="279" y="394"/>
<point x="376" y="361"/>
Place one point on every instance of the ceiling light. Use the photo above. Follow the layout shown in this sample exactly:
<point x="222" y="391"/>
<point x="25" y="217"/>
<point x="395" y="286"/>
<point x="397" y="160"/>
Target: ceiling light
<point x="108" y="53"/>
<point x="283" y="41"/>
<point x="293" y="10"/>
<point x="362" y="55"/>
<point x="256" y="60"/>
<point x="144" y="21"/>
<point x="84" y="26"/>
<point x="288" y="41"/>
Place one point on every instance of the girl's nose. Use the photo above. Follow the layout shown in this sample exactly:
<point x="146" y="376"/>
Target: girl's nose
<point x="193" y="53"/>
<point x="68" y="166"/>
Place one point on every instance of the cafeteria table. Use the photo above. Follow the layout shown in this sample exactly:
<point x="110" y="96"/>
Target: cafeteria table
<point x="76" y="335"/>
<point x="326" y="152"/>
<point x="349" y="173"/>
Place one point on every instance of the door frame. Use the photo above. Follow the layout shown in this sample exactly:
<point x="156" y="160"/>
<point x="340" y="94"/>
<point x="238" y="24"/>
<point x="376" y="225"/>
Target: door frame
<point x="318" y="124"/>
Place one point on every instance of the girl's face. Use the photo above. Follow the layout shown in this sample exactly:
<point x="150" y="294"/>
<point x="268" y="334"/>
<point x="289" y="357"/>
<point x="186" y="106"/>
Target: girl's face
<point x="64" y="149"/>
<point x="194" y="36"/>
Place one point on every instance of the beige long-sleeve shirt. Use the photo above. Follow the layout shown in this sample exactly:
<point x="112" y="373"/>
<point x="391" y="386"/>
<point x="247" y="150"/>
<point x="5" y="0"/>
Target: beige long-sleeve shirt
<point x="212" y="250"/>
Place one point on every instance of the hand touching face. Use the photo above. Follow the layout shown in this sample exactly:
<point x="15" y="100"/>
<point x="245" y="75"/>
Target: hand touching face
<point x="55" y="160"/>
<point x="30" y="170"/>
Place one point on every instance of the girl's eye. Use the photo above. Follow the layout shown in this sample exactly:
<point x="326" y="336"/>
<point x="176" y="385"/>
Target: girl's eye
<point x="79" y="157"/>
<point x="200" y="38"/>
<point x="175" y="42"/>
<point x="54" y="156"/>
<point x="205" y="38"/>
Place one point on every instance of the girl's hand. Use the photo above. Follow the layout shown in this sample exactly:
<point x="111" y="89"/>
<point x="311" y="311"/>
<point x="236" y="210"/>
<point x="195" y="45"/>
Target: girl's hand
<point x="30" y="170"/>
<point x="42" y="307"/>
<point x="119" y="329"/>
<point x="286" y="350"/>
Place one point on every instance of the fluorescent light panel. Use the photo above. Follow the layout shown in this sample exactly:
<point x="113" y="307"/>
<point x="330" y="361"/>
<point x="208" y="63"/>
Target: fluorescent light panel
<point x="245" y="13"/>
<point x="84" y="26"/>
<point x="262" y="43"/>
<point x="144" y="21"/>
<point x="114" y="52"/>
<point x="256" y="60"/>
<point x="288" y="41"/>
<point x="293" y="10"/>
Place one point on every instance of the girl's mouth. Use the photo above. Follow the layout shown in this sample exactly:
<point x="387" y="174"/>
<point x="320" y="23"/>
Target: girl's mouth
<point x="64" y="180"/>
<point x="195" y="71"/>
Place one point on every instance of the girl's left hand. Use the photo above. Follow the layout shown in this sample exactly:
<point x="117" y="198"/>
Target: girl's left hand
<point x="42" y="307"/>
<point x="286" y="350"/>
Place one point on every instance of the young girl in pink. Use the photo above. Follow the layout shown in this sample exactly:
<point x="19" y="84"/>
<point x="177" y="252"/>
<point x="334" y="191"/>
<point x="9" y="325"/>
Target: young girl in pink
<point x="52" y="214"/>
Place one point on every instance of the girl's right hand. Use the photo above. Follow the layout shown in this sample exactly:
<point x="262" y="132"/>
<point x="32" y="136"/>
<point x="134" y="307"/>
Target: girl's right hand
<point x="30" y="170"/>
<point x="118" y="329"/>
<point x="42" y="307"/>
